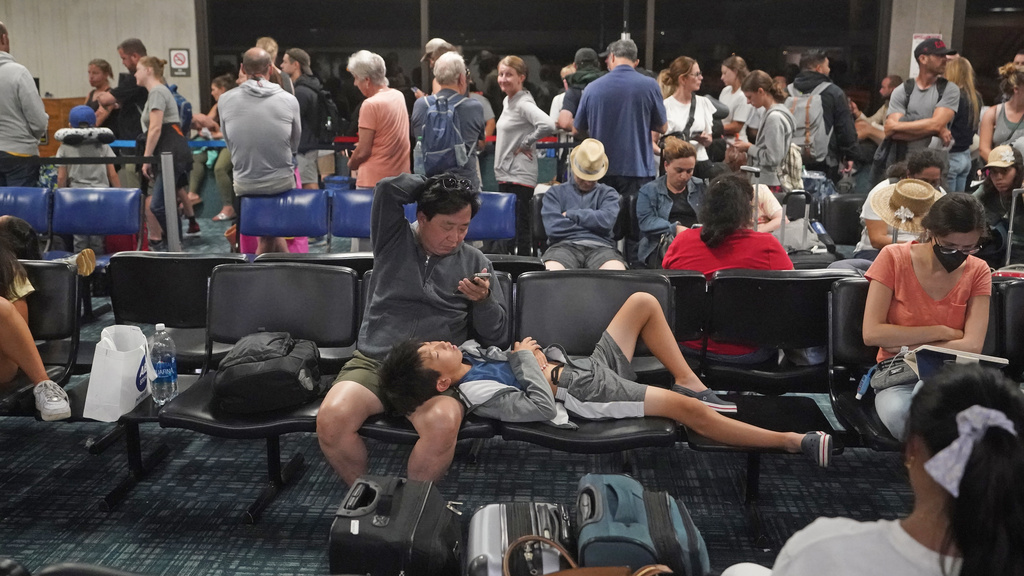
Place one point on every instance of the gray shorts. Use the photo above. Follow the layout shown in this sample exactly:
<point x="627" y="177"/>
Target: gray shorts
<point x="307" y="166"/>
<point x="602" y="386"/>
<point x="581" y="256"/>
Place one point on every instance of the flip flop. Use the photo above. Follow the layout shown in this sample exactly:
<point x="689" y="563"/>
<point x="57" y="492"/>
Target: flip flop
<point x="222" y="217"/>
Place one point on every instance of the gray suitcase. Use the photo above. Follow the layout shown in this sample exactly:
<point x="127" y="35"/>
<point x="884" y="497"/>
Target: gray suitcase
<point x="494" y="526"/>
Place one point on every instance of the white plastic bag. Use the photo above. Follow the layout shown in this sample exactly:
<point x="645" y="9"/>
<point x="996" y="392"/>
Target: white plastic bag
<point x="120" y="374"/>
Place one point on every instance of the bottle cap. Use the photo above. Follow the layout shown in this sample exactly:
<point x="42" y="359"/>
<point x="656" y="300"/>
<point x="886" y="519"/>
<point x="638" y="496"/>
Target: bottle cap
<point x="160" y="327"/>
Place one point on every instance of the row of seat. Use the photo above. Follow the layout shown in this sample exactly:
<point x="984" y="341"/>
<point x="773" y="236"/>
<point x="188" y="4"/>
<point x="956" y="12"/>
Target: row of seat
<point x="321" y="303"/>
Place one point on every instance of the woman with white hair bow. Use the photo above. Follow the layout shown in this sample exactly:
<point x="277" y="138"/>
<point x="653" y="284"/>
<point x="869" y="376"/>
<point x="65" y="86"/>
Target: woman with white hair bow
<point x="965" y="462"/>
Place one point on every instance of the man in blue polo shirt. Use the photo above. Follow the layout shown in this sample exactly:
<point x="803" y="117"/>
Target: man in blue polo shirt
<point x="621" y="109"/>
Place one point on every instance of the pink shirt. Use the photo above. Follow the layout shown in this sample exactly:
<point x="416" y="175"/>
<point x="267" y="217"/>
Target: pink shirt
<point x="911" y="305"/>
<point x="386" y="115"/>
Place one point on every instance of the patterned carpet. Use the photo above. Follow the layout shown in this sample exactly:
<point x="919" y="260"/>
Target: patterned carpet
<point x="185" y="518"/>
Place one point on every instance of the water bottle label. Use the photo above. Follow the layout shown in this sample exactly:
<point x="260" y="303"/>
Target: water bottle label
<point x="167" y="370"/>
<point x="818" y="228"/>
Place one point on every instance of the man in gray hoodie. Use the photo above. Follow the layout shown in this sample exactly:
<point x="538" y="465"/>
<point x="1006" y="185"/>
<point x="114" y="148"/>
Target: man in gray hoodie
<point x="261" y="125"/>
<point x="23" y="119"/>
<point x="424" y="286"/>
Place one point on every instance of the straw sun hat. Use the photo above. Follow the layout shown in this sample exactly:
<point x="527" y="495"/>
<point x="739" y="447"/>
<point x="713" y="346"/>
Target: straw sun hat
<point x="902" y="205"/>
<point x="588" y="160"/>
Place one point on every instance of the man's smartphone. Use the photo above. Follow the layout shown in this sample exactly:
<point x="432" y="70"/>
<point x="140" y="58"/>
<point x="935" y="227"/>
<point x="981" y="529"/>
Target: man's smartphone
<point x="414" y="89"/>
<point x="483" y="275"/>
<point x="695" y="135"/>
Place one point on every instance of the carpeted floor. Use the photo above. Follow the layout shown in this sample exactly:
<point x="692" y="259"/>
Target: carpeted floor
<point x="185" y="518"/>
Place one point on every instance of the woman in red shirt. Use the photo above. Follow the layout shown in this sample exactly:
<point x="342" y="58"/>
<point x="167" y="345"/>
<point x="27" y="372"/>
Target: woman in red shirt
<point x="933" y="292"/>
<point x="726" y="240"/>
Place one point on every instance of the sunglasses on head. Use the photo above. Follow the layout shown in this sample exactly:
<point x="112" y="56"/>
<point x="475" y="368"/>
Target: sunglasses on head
<point x="452" y="184"/>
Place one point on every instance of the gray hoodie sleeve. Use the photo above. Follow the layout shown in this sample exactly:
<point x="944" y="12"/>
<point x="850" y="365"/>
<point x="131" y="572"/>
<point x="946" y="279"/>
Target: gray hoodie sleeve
<point x="534" y="404"/>
<point x="32" y="106"/>
<point x="387" y="213"/>
<point x="772" y="142"/>
<point x="296" y="136"/>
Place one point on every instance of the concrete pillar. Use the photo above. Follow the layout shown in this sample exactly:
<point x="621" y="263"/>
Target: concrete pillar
<point x="910" y="17"/>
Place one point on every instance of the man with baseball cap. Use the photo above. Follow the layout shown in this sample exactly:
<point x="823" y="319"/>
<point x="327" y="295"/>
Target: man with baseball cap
<point x="621" y="109"/>
<point x="579" y="215"/>
<point x="921" y="119"/>
<point x="307" y="91"/>
<point x="588" y="69"/>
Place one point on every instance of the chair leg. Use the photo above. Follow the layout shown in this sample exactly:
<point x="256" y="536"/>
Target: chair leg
<point x="278" y="477"/>
<point x="138" y="466"/>
<point x="99" y="445"/>
<point x="751" y="497"/>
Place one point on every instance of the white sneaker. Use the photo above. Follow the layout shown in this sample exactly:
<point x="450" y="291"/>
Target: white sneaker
<point x="51" y="401"/>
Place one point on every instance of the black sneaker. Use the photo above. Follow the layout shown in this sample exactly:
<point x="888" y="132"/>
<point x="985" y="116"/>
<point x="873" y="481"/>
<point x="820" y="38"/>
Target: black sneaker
<point x="709" y="398"/>
<point x="158" y="246"/>
<point x="818" y="447"/>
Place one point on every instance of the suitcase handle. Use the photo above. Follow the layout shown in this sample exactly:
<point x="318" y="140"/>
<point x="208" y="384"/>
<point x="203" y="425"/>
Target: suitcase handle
<point x="591" y="508"/>
<point x="366" y="496"/>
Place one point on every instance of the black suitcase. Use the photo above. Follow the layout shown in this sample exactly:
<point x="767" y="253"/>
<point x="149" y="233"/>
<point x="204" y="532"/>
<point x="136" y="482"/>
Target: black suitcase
<point x="391" y="526"/>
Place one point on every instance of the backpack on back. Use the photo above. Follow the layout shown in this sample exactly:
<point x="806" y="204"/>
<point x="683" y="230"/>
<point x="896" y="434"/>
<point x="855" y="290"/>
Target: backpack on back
<point x="443" y="147"/>
<point x="808" y="113"/>
<point x="184" y="109"/>
<point x="328" y="120"/>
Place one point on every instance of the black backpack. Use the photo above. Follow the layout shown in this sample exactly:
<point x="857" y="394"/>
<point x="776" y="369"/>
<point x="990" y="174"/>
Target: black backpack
<point x="268" y="371"/>
<point x="328" y="120"/>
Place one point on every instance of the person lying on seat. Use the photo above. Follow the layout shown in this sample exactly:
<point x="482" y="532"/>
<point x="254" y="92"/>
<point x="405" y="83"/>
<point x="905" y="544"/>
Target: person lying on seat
<point x="527" y="385"/>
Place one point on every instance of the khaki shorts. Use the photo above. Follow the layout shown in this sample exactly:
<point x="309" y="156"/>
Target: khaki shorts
<point x="307" y="167"/>
<point x="365" y="371"/>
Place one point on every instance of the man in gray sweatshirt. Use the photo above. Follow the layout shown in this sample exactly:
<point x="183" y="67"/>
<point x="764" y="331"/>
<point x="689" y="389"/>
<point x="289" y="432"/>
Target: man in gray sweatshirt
<point x="23" y="119"/>
<point x="261" y="125"/>
<point x="423" y="286"/>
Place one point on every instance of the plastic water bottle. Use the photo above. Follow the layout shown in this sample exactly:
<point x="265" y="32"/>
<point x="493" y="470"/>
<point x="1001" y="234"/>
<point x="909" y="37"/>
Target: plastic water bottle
<point x="417" y="157"/>
<point x="162" y="354"/>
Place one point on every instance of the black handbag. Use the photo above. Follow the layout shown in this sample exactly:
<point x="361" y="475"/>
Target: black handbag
<point x="268" y="371"/>
<point x="656" y="257"/>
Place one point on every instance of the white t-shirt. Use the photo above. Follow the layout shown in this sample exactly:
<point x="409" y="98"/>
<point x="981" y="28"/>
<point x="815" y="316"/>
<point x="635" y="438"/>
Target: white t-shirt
<point x="739" y="109"/>
<point x="767" y="204"/>
<point x="841" y="546"/>
<point x="868" y="213"/>
<point x="678" y="114"/>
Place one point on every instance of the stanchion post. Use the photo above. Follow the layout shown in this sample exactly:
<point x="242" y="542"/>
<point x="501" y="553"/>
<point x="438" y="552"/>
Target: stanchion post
<point x="170" y="202"/>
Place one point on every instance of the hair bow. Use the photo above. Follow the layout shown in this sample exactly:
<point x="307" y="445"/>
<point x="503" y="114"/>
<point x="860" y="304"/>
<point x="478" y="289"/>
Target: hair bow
<point x="947" y="465"/>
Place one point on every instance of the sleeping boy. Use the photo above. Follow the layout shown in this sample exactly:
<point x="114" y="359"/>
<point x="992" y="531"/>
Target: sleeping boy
<point x="527" y="385"/>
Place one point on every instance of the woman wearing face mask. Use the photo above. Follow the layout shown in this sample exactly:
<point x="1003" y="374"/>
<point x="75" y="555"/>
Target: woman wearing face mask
<point x="932" y="292"/>
<point x="1004" y="173"/>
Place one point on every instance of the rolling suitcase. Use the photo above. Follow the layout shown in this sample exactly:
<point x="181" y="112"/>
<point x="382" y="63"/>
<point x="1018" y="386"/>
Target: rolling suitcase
<point x="622" y="523"/>
<point x="804" y="259"/>
<point x="494" y="526"/>
<point x="391" y="526"/>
